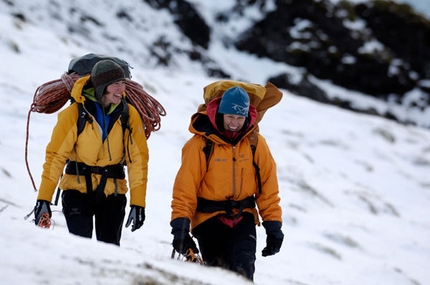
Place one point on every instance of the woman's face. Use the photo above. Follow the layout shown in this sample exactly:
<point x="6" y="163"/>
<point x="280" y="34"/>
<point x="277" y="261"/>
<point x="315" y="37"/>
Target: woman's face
<point x="113" y="93"/>
<point x="233" y="123"/>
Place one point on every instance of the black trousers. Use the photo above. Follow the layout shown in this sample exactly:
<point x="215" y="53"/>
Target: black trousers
<point x="230" y="248"/>
<point x="109" y="212"/>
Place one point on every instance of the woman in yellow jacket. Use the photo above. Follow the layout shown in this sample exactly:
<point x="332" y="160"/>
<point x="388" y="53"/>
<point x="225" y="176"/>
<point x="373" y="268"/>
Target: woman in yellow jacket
<point x="94" y="182"/>
<point x="216" y="197"/>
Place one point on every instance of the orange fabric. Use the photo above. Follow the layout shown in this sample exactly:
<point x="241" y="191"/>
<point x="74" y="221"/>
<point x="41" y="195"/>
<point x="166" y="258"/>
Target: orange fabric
<point x="230" y="175"/>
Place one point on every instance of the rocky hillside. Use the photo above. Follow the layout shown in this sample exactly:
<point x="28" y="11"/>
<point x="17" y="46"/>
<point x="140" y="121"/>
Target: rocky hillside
<point x="377" y="49"/>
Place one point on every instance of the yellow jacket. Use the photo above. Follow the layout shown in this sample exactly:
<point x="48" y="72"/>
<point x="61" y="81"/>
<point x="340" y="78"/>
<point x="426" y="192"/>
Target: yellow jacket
<point x="89" y="148"/>
<point x="230" y="175"/>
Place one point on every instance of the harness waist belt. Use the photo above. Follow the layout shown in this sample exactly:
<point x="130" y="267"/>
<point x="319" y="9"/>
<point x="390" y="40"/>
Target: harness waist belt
<point x="209" y="206"/>
<point x="110" y="171"/>
<point x="115" y="171"/>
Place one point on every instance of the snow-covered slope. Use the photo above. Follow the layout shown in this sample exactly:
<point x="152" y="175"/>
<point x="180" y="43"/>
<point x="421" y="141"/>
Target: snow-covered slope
<point x="355" y="188"/>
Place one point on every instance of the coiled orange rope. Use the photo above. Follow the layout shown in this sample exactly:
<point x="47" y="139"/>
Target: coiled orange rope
<point x="149" y="108"/>
<point x="53" y="95"/>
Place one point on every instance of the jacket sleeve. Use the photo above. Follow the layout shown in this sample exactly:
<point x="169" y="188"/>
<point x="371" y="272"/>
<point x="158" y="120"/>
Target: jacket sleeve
<point x="58" y="150"/>
<point x="137" y="157"/>
<point x="268" y="201"/>
<point x="188" y="179"/>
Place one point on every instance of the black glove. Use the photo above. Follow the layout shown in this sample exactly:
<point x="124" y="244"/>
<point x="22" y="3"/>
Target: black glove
<point x="41" y="207"/>
<point x="274" y="238"/>
<point x="182" y="240"/>
<point x="137" y="216"/>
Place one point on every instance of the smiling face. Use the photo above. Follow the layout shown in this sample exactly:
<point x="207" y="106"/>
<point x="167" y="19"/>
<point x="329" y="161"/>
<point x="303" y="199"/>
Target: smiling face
<point x="233" y="123"/>
<point x="113" y="93"/>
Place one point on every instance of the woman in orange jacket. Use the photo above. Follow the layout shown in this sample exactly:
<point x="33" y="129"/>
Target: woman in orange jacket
<point x="95" y="156"/>
<point x="216" y="196"/>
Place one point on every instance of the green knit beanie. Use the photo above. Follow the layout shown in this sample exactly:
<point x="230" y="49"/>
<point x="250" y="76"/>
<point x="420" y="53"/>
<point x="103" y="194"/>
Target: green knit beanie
<point x="104" y="73"/>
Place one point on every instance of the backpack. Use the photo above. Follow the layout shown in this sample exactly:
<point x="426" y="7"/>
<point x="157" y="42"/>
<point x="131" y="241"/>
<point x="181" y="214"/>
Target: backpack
<point x="84" y="64"/>
<point x="53" y="95"/>
<point x="261" y="97"/>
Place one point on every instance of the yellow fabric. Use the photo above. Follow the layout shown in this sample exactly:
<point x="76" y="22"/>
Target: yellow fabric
<point x="256" y="92"/>
<point x="230" y="175"/>
<point x="89" y="149"/>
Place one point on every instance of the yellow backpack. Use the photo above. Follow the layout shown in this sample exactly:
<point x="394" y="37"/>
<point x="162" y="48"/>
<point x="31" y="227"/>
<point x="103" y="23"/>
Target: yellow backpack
<point x="261" y="97"/>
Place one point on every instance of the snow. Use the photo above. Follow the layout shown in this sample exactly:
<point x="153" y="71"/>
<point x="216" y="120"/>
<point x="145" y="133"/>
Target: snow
<point x="355" y="188"/>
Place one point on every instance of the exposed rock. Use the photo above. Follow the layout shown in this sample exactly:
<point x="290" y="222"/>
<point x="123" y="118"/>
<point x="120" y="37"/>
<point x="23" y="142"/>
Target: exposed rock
<point x="187" y="19"/>
<point x="302" y="87"/>
<point x="379" y="48"/>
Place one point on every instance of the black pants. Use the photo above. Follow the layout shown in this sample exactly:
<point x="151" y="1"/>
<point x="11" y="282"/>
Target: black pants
<point x="230" y="248"/>
<point x="79" y="210"/>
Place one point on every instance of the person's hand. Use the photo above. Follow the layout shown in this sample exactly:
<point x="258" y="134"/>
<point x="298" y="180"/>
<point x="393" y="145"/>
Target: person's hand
<point x="182" y="240"/>
<point x="274" y="238"/>
<point x="42" y="214"/>
<point x="137" y="216"/>
<point x="182" y="245"/>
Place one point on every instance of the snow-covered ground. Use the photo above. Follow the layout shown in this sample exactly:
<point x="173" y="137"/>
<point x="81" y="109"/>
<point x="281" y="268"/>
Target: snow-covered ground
<point x="355" y="188"/>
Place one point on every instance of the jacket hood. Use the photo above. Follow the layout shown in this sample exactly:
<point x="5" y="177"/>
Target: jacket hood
<point x="205" y="123"/>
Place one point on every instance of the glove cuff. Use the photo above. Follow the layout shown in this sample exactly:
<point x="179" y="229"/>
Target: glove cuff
<point x="43" y="206"/>
<point x="138" y="208"/>
<point x="180" y="227"/>
<point x="273" y="228"/>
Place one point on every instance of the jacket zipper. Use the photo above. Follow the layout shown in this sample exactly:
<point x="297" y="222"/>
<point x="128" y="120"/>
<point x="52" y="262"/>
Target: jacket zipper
<point x="233" y="172"/>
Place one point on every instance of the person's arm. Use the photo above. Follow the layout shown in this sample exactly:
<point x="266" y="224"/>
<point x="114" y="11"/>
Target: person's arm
<point x="58" y="150"/>
<point x="188" y="179"/>
<point x="137" y="156"/>
<point x="268" y="201"/>
<point x="184" y="202"/>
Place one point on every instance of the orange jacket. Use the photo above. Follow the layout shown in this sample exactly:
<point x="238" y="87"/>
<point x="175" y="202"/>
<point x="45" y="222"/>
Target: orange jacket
<point x="230" y="174"/>
<point x="89" y="148"/>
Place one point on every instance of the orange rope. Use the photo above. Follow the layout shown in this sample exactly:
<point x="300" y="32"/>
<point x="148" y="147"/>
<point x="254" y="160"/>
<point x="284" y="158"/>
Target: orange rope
<point x="148" y="107"/>
<point x="188" y="256"/>
<point x="45" y="221"/>
<point x="53" y="95"/>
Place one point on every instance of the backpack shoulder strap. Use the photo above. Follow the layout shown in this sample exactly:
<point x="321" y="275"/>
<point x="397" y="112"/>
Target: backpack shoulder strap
<point x="124" y="116"/>
<point x="253" y="140"/>
<point x="83" y="118"/>
<point x="208" y="149"/>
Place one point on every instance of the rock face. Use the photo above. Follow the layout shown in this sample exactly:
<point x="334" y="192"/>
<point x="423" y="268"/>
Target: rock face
<point x="379" y="48"/>
<point x="187" y="18"/>
<point x="376" y="48"/>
